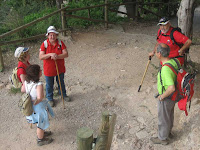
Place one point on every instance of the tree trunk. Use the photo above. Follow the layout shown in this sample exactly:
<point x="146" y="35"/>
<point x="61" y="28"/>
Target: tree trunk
<point x="130" y="8"/>
<point x="58" y="3"/>
<point x="185" y="17"/>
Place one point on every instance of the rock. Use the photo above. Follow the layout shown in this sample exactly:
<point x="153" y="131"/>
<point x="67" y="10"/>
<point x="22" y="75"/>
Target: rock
<point x="142" y="134"/>
<point x="2" y="85"/>
<point x="121" y="136"/>
<point x="134" y="130"/>
<point x="8" y="86"/>
<point x="141" y="120"/>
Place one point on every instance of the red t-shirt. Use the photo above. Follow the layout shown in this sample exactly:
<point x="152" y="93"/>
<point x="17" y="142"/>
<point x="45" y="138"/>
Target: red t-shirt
<point x="21" y="70"/>
<point x="179" y="38"/>
<point x="49" y="64"/>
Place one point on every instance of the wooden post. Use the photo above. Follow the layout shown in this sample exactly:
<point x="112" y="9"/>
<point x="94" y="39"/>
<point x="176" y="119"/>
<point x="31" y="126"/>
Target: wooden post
<point x="89" y="13"/>
<point x="111" y="130"/>
<point x="1" y="61"/>
<point x="63" y="18"/>
<point x="84" y="138"/>
<point x="136" y="11"/>
<point x="106" y="13"/>
<point x="102" y="137"/>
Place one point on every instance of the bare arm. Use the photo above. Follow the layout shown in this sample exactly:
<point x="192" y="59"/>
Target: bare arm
<point x="63" y="55"/>
<point x="40" y="94"/>
<point x="22" y="77"/>
<point x="185" y="46"/>
<point x="154" y="50"/>
<point x="168" y="92"/>
<point x="23" y="90"/>
<point x="43" y="56"/>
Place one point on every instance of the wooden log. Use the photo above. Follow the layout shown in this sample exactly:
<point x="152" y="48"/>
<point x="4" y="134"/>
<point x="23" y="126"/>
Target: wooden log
<point x="1" y="61"/>
<point x="102" y="137"/>
<point x="84" y="138"/>
<point x="112" y="123"/>
<point x="27" y="39"/>
<point x="63" y="19"/>
<point x="106" y="13"/>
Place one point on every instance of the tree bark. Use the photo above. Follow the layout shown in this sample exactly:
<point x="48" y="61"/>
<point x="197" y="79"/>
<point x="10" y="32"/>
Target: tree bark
<point x="58" y="3"/>
<point x="185" y="17"/>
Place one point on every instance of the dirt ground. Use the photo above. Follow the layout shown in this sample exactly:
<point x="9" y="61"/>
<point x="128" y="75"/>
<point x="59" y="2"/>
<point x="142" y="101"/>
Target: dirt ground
<point x="103" y="72"/>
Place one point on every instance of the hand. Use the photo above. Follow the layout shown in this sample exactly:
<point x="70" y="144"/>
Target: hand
<point x="151" y="54"/>
<point x="160" y="98"/>
<point x="54" y="56"/>
<point x="181" y="52"/>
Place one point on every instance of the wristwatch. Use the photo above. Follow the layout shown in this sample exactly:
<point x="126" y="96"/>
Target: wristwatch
<point x="160" y="98"/>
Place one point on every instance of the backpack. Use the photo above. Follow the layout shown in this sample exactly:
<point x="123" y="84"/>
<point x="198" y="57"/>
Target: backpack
<point x="46" y="44"/>
<point x="14" y="79"/>
<point x="172" y="37"/>
<point x="25" y="104"/>
<point x="184" y="86"/>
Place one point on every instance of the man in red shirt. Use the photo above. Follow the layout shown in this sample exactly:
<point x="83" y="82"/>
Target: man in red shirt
<point x="53" y="51"/>
<point x="163" y="36"/>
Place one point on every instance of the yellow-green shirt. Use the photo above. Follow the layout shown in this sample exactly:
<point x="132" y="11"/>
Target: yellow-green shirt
<point x="167" y="75"/>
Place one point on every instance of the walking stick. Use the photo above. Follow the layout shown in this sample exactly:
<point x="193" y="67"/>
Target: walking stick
<point x="144" y="74"/>
<point x="59" y="83"/>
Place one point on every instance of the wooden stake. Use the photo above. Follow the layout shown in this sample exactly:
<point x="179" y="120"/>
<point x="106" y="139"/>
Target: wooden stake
<point x="84" y="138"/>
<point x="1" y="61"/>
<point x="102" y="137"/>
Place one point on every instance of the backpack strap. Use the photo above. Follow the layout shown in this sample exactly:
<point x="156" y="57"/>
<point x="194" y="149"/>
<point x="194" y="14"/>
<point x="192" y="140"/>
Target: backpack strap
<point x="46" y="44"/>
<point x="172" y="68"/>
<point x="172" y="36"/>
<point x="20" y="67"/>
<point x="26" y="87"/>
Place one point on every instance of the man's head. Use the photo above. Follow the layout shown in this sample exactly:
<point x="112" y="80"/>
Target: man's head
<point x="162" y="50"/>
<point x="164" y="24"/>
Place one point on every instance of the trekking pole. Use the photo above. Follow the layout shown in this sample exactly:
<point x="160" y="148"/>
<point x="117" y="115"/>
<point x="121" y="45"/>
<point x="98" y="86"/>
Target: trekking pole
<point x="60" y="84"/>
<point x="144" y="74"/>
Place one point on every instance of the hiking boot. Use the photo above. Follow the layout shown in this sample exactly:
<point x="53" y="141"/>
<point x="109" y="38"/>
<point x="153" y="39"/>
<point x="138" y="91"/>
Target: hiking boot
<point x="67" y="99"/>
<point x="156" y="140"/>
<point x="51" y="103"/>
<point x="44" y="141"/>
<point x="171" y="136"/>
<point x="47" y="133"/>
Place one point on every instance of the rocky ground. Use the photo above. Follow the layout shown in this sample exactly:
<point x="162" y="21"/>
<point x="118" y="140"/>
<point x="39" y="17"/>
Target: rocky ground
<point x="103" y="72"/>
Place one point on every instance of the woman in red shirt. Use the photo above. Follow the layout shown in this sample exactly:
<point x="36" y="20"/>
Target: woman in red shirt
<point x="53" y="51"/>
<point x="23" y="62"/>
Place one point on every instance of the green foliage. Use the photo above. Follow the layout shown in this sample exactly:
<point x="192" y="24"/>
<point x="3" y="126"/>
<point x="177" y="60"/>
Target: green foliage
<point x="95" y="13"/>
<point x="15" y="90"/>
<point x="161" y="9"/>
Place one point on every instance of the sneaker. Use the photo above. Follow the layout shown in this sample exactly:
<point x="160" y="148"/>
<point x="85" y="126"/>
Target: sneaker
<point x="67" y="99"/>
<point x="51" y="103"/>
<point x="44" y="141"/>
<point x="156" y="140"/>
<point x="47" y="133"/>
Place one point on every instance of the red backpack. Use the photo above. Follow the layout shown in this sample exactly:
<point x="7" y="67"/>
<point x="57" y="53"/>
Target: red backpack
<point x="184" y="86"/>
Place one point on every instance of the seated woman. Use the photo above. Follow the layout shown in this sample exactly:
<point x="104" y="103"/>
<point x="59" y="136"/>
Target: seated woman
<point x="33" y="86"/>
<point x="23" y="62"/>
